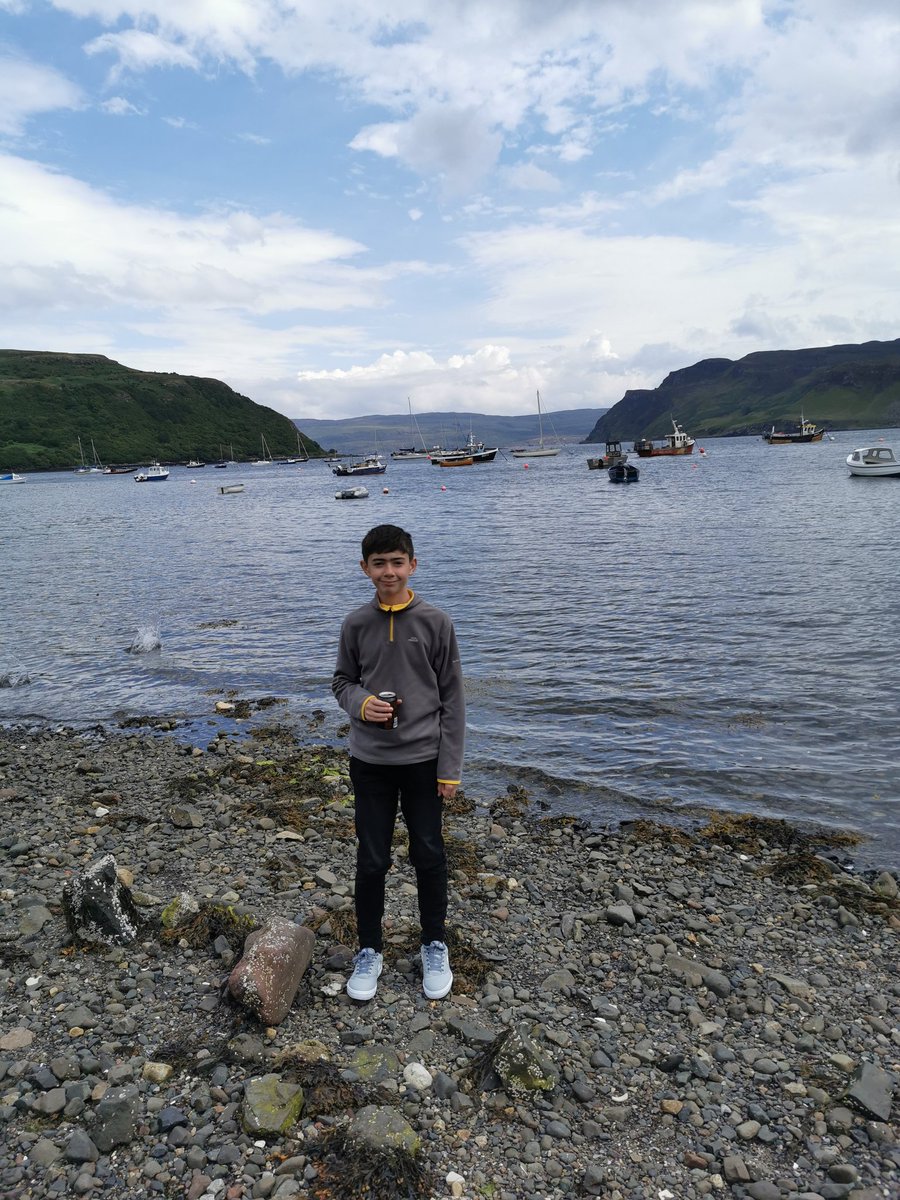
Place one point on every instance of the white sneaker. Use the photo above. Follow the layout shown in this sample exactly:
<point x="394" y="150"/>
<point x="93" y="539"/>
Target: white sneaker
<point x="437" y="978"/>
<point x="363" y="983"/>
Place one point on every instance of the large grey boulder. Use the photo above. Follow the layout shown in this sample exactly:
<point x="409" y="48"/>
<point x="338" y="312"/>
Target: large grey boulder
<point x="381" y="1127"/>
<point x="271" y="1105"/>
<point x="871" y="1088"/>
<point x="522" y="1065"/>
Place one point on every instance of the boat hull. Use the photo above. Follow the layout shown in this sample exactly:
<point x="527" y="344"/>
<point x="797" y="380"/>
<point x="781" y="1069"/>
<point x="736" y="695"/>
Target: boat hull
<point x="354" y="493"/>
<point x="872" y="462"/>
<point x="462" y="458"/>
<point x="539" y="452"/>
<point x="793" y="439"/>
<point x="651" y="451"/>
<point x="623" y="473"/>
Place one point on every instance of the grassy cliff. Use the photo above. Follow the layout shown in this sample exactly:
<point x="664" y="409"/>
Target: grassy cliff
<point x="841" y="387"/>
<point x="48" y="401"/>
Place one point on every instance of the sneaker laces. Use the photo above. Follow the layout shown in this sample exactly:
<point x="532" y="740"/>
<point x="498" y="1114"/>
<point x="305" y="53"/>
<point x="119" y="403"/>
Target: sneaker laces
<point x="435" y="956"/>
<point x="364" y="962"/>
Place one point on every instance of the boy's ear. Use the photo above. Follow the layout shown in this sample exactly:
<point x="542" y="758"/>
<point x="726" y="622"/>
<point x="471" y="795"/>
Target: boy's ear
<point x="364" y="565"/>
<point x="413" y="563"/>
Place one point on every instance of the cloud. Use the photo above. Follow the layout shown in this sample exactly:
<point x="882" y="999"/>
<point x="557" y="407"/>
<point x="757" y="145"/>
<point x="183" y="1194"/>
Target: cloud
<point x="528" y="177"/>
<point x="118" y="106"/>
<point x="255" y="139"/>
<point x="137" y="50"/>
<point x="75" y="244"/>
<point x="27" y="88"/>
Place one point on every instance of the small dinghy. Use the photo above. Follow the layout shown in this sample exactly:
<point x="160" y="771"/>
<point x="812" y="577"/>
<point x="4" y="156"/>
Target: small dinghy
<point x="623" y="472"/>
<point x="353" y="493"/>
<point x="230" y="489"/>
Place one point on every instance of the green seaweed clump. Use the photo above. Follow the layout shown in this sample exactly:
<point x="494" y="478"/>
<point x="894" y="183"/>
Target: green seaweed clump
<point x="212" y="921"/>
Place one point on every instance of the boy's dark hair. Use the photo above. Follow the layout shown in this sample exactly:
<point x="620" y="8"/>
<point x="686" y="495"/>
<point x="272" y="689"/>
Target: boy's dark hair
<point x="384" y="538"/>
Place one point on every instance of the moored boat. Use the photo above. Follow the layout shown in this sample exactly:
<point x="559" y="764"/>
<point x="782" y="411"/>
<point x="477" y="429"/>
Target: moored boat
<point x="623" y="472"/>
<point x="230" y="489"/>
<point x="152" y="474"/>
<point x="872" y="461"/>
<point x="614" y="454"/>
<point x="457" y="462"/>
<point x="372" y="464"/>
<point x="540" y="450"/>
<point x="12" y="477"/>
<point x="352" y="493"/>
<point x="476" y="451"/>
<point x="676" y="442"/>
<point x="808" y="432"/>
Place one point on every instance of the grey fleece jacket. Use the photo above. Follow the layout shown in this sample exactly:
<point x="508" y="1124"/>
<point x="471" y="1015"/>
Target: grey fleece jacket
<point x="410" y="650"/>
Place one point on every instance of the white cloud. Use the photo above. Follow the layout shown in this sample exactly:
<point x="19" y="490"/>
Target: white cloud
<point x="118" y="106"/>
<point x="528" y="177"/>
<point x="28" y="88"/>
<point x="137" y="50"/>
<point x="415" y="214"/>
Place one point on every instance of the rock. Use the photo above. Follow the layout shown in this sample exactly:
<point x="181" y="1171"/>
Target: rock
<point x="266" y="978"/>
<point x="375" y="1064"/>
<point x="117" y="1115"/>
<point x="17" y="1039"/>
<point x="80" y="1148"/>
<point x="34" y="919"/>
<point x="383" y="1128"/>
<point x="521" y="1065"/>
<point x="416" y="1076"/>
<point x="98" y="907"/>
<point x="271" y="1105"/>
<point x="886" y="885"/>
<point x="871" y="1088"/>
<point x="620" y="914"/>
<point x="558" y="980"/>
<point x="180" y="910"/>
<point x="156" y="1072"/>
<point x="186" y="816"/>
<point x="44" y="1153"/>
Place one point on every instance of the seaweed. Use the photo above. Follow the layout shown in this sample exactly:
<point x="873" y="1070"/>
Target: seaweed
<point x="325" y="1090"/>
<point x="749" y="833"/>
<point x="480" y="1074"/>
<point x="212" y="921"/>
<point x="463" y="857"/>
<point x="341" y="924"/>
<point x="652" y="833"/>
<point x="350" y="1170"/>
<point x="459" y="805"/>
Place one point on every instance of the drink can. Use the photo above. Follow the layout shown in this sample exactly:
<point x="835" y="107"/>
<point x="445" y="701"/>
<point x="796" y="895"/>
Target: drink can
<point x="390" y="698"/>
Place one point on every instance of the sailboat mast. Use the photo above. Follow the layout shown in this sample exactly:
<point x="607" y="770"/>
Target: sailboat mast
<point x="540" y="422"/>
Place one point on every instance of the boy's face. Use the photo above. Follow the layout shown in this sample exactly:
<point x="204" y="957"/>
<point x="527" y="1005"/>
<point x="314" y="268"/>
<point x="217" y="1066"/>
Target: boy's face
<point x="390" y="572"/>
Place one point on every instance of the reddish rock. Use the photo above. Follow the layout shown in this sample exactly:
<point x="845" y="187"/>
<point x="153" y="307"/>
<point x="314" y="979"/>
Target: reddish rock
<point x="266" y="978"/>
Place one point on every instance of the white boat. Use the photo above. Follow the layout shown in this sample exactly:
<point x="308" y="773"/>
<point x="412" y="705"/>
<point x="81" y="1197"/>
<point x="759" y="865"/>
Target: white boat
<point x="540" y="450"/>
<point x="12" y="477"/>
<point x="266" y="460"/>
<point x="873" y="460"/>
<point x="83" y="468"/>
<point x="352" y="493"/>
<point x="152" y="474"/>
<point x="230" y="489"/>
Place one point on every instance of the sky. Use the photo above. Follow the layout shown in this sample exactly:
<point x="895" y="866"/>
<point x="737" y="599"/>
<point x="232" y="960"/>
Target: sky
<point x="342" y="207"/>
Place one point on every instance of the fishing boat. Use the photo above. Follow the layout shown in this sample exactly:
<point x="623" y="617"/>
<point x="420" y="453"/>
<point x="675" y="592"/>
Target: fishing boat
<point x="873" y="460"/>
<point x="540" y="450"/>
<point x="476" y="451"/>
<point x="119" y="470"/>
<point x="352" y="493"/>
<point x="152" y="474"/>
<point x="195" y="463"/>
<point x="407" y="453"/>
<point x="623" y="472"/>
<point x="12" y="477"/>
<point x="676" y="442"/>
<point x="371" y="464"/>
<point x="808" y="432"/>
<point x="614" y="454"/>
<point x="230" y="489"/>
<point x="457" y="462"/>
<point x="267" y="460"/>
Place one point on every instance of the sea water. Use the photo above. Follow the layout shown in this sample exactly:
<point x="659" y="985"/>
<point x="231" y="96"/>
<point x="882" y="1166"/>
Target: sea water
<point x="721" y="634"/>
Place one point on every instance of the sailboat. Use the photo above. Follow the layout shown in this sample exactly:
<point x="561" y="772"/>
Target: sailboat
<point x="266" y="460"/>
<point x="84" y="469"/>
<point x="540" y="450"/>
<point x="97" y="468"/>
<point x="411" y="452"/>
<point x="298" y="461"/>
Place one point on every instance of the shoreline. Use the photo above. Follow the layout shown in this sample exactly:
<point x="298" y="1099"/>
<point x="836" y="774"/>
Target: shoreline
<point x="707" y="998"/>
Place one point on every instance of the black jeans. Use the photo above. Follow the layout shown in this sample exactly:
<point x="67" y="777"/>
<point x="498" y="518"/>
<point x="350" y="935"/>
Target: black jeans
<point x="378" y="788"/>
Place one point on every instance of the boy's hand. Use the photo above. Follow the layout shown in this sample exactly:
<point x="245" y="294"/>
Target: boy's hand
<point x="447" y="790"/>
<point x="379" y="711"/>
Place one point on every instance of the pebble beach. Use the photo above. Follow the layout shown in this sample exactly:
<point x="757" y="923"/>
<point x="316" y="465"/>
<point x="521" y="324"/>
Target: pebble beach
<point x="717" y="1010"/>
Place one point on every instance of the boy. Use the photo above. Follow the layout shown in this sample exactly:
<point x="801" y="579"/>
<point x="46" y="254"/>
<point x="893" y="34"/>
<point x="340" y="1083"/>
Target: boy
<point x="400" y="643"/>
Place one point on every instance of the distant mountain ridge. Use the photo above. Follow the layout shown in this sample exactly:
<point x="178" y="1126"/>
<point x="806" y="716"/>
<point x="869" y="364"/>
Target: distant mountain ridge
<point x="388" y="431"/>
<point x="49" y="400"/>
<point x="841" y="387"/>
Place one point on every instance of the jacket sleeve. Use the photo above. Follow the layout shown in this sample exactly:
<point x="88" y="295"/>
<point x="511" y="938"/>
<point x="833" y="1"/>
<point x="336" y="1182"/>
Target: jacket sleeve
<point x="453" y="709"/>
<point x="345" y="685"/>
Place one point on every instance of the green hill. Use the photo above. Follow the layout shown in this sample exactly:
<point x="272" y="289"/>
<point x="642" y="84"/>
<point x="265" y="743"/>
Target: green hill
<point x="48" y="401"/>
<point x="841" y="387"/>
